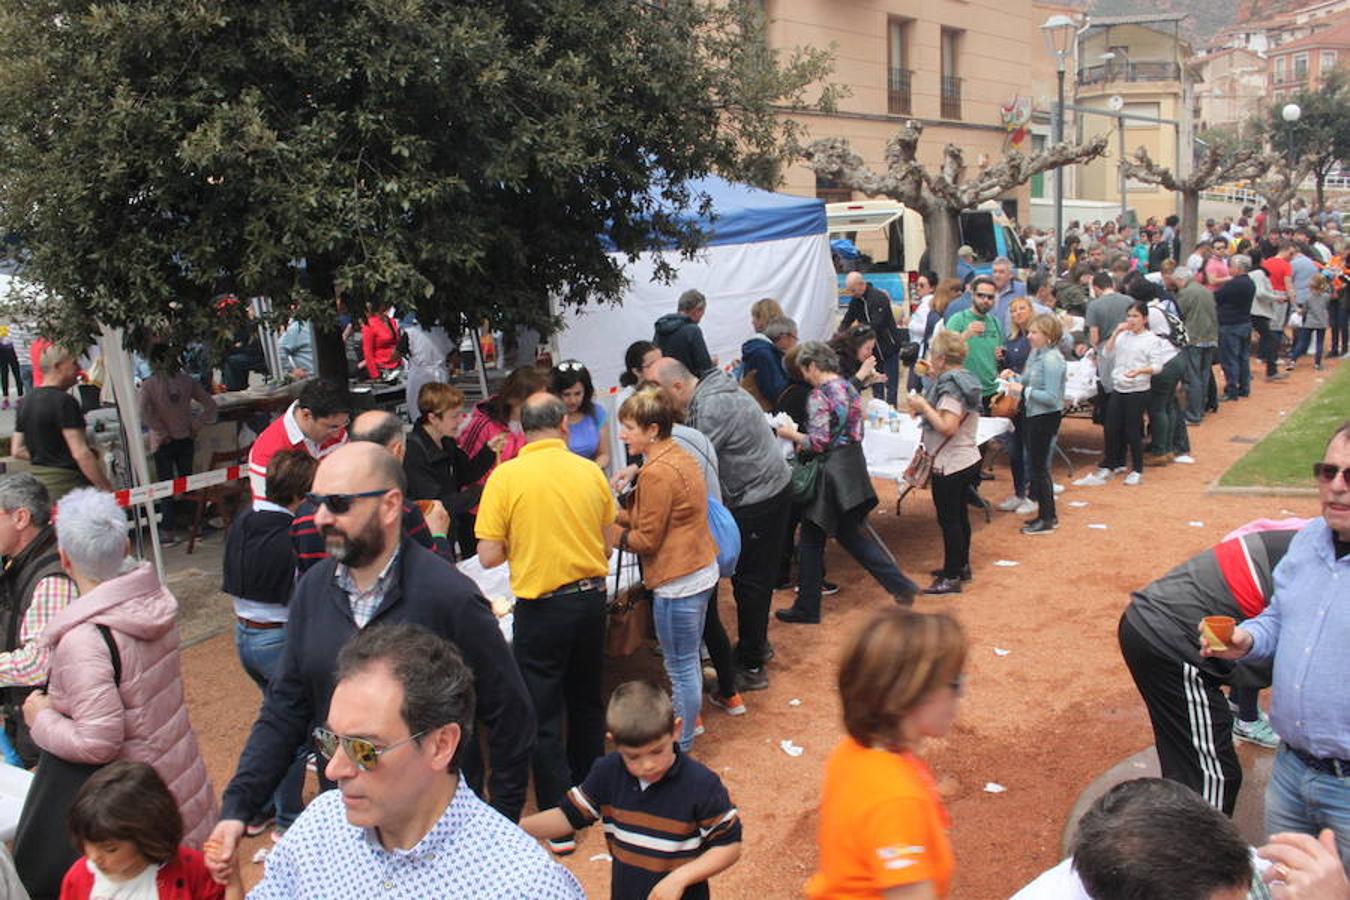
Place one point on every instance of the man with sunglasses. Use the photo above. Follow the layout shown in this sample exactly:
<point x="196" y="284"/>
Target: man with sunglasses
<point x="401" y="715"/>
<point x="375" y="575"/>
<point x="1304" y="629"/>
<point x="315" y="423"/>
<point x="983" y="335"/>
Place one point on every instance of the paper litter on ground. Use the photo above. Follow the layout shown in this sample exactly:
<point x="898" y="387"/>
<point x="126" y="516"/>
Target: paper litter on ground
<point x="259" y="855"/>
<point x="1006" y="563"/>
<point x="1097" y="525"/>
<point x="1196" y="523"/>
<point x="1288" y="512"/>
<point x="993" y="787"/>
<point x="602" y="857"/>
<point x="1078" y="504"/>
<point x="1084" y="450"/>
<point x="794" y="702"/>
<point x="791" y="749"/>
<point x="999" y="651"/>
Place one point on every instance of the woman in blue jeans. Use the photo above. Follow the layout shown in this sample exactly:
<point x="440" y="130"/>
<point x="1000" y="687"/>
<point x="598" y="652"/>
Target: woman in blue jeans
<point x="666" y="525"/>
<point x="259" y="574"/>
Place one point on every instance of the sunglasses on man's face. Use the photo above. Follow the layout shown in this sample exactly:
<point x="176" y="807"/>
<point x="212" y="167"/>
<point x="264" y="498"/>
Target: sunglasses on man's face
<point x="1326" y="472"/>
<point x="363" y="753"/>
<point x="983" y="296"/>
<point x="341" y="503"/>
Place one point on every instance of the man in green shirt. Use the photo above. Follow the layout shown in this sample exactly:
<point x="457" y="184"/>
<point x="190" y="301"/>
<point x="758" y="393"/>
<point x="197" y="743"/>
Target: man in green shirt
<point x="982" y="334"/>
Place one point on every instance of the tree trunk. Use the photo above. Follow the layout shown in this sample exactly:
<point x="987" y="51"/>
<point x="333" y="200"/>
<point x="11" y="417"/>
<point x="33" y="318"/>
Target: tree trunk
<point x="1319" y="190"/>
<point x="942" y="230"/>
<point x="1190" y="222"/>
<point x="330" y="356"/>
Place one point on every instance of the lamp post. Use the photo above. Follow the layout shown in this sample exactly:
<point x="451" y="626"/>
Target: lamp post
<point x="1291" y="113"/>
<point x="1059" y="33"/>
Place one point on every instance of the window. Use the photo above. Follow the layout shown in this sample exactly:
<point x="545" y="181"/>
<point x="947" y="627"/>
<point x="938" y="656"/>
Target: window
<point x="951" y="79"/>
<point x="831" y="191"/>
<point x="898" y="73"/>
<point x="1279" y="69"/>
<point x="1328" y="61"/>
<point x="1300" y="66"/>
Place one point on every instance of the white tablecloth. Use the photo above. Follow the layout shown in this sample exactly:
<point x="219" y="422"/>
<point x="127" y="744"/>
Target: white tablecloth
<point x="889" y="452"/>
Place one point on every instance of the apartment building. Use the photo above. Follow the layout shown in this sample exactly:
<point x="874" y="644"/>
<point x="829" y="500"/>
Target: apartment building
<point x="1303" y="65"/>
<point x="1230" y="88"/>
<point x="1134" y="65"/>
<point x="950" y="64"/>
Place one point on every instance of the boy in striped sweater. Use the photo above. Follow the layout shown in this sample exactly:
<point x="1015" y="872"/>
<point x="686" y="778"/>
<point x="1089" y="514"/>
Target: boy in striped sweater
<point x="668" y="820"/>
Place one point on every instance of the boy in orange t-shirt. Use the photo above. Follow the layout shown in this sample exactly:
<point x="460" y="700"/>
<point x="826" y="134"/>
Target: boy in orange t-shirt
<point x="882" y="824"/>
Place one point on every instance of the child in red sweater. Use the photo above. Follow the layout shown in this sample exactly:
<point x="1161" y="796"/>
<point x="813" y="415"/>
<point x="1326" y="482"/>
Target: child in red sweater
<point x="127" y="823"/>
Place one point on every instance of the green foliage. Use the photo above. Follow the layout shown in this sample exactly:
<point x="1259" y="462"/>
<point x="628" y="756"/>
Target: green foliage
<point x="1284" y="457"/>
<point x="1322" y="132"/>
<point x="453" y="156"/>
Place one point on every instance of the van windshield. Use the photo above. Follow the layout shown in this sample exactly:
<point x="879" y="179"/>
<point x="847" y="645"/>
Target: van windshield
<point x="977" y="232"/>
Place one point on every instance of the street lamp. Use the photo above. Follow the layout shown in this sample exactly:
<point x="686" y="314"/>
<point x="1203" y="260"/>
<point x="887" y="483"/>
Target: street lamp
<point x="1059" y="31"/>
<point x="1291" y="113"/>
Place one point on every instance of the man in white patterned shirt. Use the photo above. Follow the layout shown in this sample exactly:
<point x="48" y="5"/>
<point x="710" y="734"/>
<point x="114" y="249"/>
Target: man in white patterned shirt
<point x="33" y="589"/>
<point x="403" y="824"/>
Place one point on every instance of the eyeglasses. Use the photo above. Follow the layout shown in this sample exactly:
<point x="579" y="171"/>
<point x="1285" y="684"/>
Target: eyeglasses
<point x="1326" y="473"/>
<point x="341" y="503"/>
<point x="363" y="753"/>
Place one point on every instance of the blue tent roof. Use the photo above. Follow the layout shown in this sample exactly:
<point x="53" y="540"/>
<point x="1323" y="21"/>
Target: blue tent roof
<point x="741" y="214"/>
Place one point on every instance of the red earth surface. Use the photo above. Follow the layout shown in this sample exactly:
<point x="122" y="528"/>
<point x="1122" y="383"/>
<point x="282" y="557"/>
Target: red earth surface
<point x="1042" y="721"/>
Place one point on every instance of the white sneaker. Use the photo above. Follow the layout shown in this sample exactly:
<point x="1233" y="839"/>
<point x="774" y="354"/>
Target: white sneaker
<point x="1096" y="478"/>
<point x="1010" y="504"/>
<point x="1027" y="507"/>
<point x="1185" y="459"/>
<point x="1059" y="489"/>
<point x="1134" y="478"/>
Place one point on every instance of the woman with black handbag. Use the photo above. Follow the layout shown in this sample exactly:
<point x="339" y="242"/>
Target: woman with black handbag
<point x="843" y="494"/>
<point x="949" y="411"/>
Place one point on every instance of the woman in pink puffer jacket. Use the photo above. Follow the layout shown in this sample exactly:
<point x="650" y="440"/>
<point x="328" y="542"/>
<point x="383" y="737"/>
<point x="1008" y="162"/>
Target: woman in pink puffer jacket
<point x="85" y="717"/>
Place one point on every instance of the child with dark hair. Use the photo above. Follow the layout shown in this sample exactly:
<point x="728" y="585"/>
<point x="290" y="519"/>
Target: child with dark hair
<point x="127" y="824"/>
<point x="668" y="820"/>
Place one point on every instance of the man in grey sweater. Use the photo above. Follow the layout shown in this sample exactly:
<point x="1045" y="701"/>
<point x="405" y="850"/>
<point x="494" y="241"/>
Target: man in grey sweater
<point x="1196" y="305"/>
<point x="755" y="488"/>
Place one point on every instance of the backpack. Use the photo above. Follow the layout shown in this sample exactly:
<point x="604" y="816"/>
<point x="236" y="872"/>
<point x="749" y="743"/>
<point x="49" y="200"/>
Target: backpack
<point x="1176" y="328"/>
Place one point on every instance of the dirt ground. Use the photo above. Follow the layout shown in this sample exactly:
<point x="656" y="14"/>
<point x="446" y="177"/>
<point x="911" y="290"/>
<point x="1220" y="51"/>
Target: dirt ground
<point x="1042" y="721"/>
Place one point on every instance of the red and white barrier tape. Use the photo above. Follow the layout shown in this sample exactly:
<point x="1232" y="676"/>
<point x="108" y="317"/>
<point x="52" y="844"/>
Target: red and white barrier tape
<point x="148" y="492"/>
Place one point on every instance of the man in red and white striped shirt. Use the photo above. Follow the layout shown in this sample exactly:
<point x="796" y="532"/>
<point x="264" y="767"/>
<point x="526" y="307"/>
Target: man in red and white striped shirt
<point x="315" y="423"/>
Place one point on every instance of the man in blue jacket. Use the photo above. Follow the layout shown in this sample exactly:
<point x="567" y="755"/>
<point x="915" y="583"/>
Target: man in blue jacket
<point x="762" y="357"/>
<point x="373" y="575"/>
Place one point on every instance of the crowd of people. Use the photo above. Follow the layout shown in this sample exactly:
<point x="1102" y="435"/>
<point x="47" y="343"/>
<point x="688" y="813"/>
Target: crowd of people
<point x="370" y="647"/>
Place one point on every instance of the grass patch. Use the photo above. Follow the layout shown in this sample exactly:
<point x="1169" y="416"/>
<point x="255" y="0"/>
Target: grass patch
<point x="1284" y="457"/>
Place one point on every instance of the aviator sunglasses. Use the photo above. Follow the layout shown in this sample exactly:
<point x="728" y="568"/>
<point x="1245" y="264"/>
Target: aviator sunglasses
<point x="363" y="753"/>
<point x="1326" y="472"/>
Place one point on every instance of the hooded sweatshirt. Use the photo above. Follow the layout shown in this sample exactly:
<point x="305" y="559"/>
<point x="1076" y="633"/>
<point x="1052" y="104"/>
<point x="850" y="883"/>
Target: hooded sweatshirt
<point x="760" y="356"/>
<point x="93" y="720"/>
<point x="679" y="336"/>
<point x="750" y="465"/>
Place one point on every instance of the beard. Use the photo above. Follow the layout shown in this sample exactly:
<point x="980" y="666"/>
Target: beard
<point x="354" y="550"/>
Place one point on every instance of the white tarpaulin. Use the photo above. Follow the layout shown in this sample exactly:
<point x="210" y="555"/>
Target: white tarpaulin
<point x="760" y="244"/>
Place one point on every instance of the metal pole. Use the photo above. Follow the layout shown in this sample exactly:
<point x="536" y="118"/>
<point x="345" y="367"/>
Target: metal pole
<point x="1120" y="130"/>
<point x="1059" y="175"/>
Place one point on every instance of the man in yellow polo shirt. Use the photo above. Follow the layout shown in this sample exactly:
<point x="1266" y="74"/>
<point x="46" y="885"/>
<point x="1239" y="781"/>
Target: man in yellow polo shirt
<point x="544" y="512"/>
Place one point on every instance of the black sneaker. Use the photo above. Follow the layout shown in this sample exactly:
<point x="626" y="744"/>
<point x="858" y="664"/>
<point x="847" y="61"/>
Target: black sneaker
<point x="751" y="679"/>
<point x="966" y="574"/>
<point x="795" y="616"/>
<point x="1040" y="526"/>
<point x="944" y="586"/>
<point x="769" y="652"/>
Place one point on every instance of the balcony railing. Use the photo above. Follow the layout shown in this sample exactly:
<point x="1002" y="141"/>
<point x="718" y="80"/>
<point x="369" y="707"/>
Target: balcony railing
<point x="951" y="97"/>
<point x="898" y="95"/>
<point x="1129" y="71"/>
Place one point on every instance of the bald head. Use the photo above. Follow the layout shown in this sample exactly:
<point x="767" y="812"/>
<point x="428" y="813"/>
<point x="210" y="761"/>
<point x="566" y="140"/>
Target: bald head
<point x="855" y="284"/>
<point x="376" y="426"/>
<point x="677" y="380"/>
<point x="542" y="416"/>
<point x="359" y="466"/>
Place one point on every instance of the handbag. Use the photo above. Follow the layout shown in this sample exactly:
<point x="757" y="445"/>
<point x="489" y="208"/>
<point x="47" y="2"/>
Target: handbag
<point x="43" y="851"/>
<point x="628" y="617"/>
<point x="1004" y="406"/>
<point x="919" y="472"/>
<point x="726" y="535"/>
<point x="806" y="471"/>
